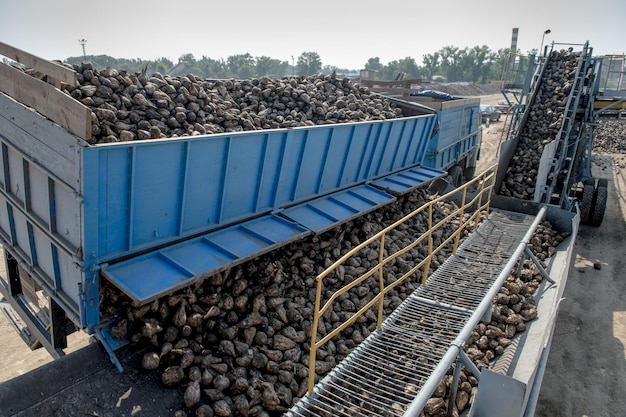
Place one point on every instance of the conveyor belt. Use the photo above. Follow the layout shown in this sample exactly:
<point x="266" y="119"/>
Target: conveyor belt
<point x="385" y="373"/>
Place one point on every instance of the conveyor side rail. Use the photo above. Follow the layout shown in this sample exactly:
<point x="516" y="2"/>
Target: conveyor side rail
<point x="396" y="369"/>
<point x="567" y="139"/>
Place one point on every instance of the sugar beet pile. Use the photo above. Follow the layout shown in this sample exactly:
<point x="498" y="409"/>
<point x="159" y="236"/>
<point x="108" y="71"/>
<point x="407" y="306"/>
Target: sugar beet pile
<point x="238" y="341"/>
<point x="137" y="106"/>
<point x="610" y="137"/>
<point x="544" y="122"/>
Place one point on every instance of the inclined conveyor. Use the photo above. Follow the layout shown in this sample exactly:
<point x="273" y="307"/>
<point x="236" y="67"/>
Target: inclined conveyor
<point x="396" y="369"/>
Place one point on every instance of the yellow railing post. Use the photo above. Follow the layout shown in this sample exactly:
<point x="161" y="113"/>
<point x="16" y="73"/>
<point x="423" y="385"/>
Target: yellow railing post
<point x="313" y="353"/>
<point x="477" y="198"/>
<point x="430" y="242"/>
<point x="461" y="222"/>
<point x="477" y="201"/>
<point x="381" y="281"/>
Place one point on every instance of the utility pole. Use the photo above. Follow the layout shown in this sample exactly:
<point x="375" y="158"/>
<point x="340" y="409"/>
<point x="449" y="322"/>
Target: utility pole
<point x="82" y="43"/>
<point x="545" y="32"/>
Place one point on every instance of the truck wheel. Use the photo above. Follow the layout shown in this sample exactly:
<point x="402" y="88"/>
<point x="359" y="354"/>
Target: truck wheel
<point x="586" y="202"/>
<point x="599" y="205"/>
<point x="469" y="173"/>
<point x="456" y="176"/>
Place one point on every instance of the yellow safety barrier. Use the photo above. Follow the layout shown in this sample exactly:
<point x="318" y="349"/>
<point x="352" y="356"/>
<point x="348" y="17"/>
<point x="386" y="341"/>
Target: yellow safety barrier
<point x="481" y="187"/>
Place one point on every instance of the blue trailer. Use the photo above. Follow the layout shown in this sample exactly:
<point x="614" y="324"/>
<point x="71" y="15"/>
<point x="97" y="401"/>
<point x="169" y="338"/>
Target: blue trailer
<point x="155" y="216"/>
<point x="456" y="146"/>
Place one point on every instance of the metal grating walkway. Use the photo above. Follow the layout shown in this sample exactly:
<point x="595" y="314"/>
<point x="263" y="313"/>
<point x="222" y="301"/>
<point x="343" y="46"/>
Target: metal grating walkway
<point x="384" y="374"/>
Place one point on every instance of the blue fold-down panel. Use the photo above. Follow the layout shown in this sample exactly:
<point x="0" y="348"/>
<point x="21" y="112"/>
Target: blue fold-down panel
<point x="163" y="271"/>
<point x="327" y="212"/>
<point x="408" y="179"/>
<point x="147" y="277"/>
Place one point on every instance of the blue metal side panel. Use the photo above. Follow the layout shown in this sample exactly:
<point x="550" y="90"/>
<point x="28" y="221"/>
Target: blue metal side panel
<point x="453" y="124"/>
<point x="150" y="193"/>
<point x="326" y="212"/>
<point x="113" y="224"/>
<point x="456" y="137"/>
<point x="409" y="179"/>
<point x="156" y="273"/>
<point x="206" y="169"/>
<point x="244" y="169"/>
<point x="156" y="192"/>
<point x="396" y="145"/>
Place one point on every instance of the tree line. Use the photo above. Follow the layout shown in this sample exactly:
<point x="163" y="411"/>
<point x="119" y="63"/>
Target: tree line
<point x="478" y="64"/>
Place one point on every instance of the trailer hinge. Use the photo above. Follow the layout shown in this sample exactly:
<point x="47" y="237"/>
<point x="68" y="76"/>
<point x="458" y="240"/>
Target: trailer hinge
<point x="79" y="198"/>
<point x="78" y="262"/>
<point x="83" y="303"/>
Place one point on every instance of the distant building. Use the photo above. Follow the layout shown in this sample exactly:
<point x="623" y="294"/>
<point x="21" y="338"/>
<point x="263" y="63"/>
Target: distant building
<point x="368" y="74"/>
<point x="182" y="68"/>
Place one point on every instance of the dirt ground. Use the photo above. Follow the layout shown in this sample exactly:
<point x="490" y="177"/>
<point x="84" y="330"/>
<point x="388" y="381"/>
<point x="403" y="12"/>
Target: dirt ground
<point x="585" y="376"/>
<point x="586" y="372"/>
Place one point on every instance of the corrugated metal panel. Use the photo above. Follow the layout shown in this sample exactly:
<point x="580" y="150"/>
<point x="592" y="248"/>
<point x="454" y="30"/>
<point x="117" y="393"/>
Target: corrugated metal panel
<point x="327" y="212"/>
<point x="159" y="272"/>
<point x="150" y="193"/>
<point x="409" y="179"/>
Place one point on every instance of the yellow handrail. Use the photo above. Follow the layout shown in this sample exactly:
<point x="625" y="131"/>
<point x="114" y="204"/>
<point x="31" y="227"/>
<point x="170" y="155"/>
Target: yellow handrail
<point x="483" y="183"/>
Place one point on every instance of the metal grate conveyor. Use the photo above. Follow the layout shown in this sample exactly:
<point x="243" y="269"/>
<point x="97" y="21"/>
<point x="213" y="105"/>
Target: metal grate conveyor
<point x="396" y="369"/>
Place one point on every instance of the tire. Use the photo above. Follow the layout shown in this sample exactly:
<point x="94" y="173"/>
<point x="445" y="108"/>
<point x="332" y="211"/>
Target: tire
<point x="469" y="173"/>
<point x="456" y="176"/>
<point x="586" y="203"/>
<point x="599" y="205"/>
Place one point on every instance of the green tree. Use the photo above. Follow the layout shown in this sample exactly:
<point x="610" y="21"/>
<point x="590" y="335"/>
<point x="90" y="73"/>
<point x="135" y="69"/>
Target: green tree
<point x="241" y="66"/>
<point x="162" y="65"/>
<point x="188" y="57"/>
<point x="450" y="63"/>
<point x="431" y="65"/>
<point x="270" y="67"/>
<point x="309" y="63"/>
<point x="328" y="69"/>
<point x="510" y="67"/>
<point x="406" y="65"/>
<point x="410" y="67"/>
<point x="478" y="64"/>
<point x="212" y="68"/>
<point x="374" y="64"/>
<point x="500" y="63"/>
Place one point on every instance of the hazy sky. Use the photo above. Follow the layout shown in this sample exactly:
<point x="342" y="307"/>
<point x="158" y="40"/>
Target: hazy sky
<point x="344" y="33"/>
